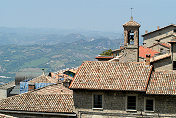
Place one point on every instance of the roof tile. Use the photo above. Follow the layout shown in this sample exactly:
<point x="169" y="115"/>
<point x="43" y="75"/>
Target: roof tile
<point x="43" y="79"/>
<point x="143" y="51"/>
<point x="112" y="76"/>
<point x="162" y="83"/>
<point x="47" y="99"/>
<point x="132" y="23"/>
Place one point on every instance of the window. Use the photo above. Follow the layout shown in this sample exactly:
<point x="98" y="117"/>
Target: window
<point x="174" y="30"/>
<point x="161" y="50"/>
<point x="149" y="104"/>
<point x="174" y="65"/>
<point x="131" y="102"/>
<point x="97" y="101"/>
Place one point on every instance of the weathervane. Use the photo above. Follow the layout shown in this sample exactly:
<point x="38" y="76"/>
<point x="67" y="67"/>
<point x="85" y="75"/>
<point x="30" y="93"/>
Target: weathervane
<point x="132" y="14"/>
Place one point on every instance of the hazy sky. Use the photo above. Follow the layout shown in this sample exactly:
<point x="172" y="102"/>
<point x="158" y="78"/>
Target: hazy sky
<point x="100" y="15"/>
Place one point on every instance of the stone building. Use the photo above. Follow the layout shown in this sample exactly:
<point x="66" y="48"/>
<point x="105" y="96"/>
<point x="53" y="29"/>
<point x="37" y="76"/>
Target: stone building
<point x="156" y="44"/>
<point x="163" y="35"/>
<point x="5" y="89"/>
<point x="113" y="89"/>
<point x="161" y="47"/>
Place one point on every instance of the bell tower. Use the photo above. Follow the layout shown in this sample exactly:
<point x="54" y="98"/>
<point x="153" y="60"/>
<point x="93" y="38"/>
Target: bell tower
<point x="131" y="41"/>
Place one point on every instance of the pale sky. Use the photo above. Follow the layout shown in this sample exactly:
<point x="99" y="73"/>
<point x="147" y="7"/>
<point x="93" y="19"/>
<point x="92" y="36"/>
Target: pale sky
<point x="99" y="15"/>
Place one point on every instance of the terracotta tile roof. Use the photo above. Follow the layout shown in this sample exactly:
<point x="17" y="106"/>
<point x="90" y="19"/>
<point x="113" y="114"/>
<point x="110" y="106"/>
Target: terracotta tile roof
<point x="172" y="40"/>
<point x="116" y="50"/>
<point x="73" y="70"/>
<point x="143" y="51"/>
<point x="159" y="29"/>
<point x="166" y="45"/>
<point x="163" y="44"/>
<point x="8" y="85"/>
<point x="131" y="23"/>
<point x="43" y="79"/>
<point x="162" y="83"/>
<point x="112" y="76"/>
<point x="64" y="76"/>
<point x="55" y="89"/>
<point x="160" y="57"/>
<point x="104" y="57"/>
<point x="47" y="99"/>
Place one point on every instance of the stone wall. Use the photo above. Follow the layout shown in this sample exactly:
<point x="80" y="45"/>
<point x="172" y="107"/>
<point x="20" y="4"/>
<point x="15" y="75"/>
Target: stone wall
<point x="114" y="104"/>
<point x="164" y="64"/>
<point x="130" y="54"/>
<point x="3" y="94"/>
<point x="164" y="35"/>
<point x="160" y="48"/>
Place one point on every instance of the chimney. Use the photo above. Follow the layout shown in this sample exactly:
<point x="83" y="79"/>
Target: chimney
<point x="147" y="62"/>
<point x="146" y="31"/>
<point x="31" y="86"/>
<point x="158" y="27"/>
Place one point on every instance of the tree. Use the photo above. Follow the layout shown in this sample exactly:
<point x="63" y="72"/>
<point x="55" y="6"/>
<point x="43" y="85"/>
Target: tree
<point x="107" y="53"/>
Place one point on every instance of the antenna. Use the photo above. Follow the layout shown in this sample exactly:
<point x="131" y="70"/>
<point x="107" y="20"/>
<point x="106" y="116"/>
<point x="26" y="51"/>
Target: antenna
<point x="131" y="14"/>
<point x="43" y="71"/>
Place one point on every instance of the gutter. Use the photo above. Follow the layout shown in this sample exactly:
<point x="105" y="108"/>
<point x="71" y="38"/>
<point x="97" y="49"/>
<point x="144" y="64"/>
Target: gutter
<point x="39" y="113"/>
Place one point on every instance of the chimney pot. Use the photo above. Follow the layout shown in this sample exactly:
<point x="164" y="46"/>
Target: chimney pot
<point x="158" y="27"/>
<point x="147" y="59"/>
<point x="146" y="31"/>
<point x="31" y="86"/>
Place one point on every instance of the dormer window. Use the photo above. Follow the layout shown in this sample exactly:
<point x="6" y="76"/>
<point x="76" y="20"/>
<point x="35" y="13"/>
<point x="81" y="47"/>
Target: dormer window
<point x="131" y="37"/>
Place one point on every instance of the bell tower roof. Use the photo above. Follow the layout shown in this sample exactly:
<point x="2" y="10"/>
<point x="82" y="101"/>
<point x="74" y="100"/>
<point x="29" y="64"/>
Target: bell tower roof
<point x="132" y="23"/>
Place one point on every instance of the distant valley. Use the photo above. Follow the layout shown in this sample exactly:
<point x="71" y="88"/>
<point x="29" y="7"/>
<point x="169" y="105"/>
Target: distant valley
<point x="52" y="51"/>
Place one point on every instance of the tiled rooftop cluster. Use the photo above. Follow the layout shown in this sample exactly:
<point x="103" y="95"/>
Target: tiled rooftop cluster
<point x="162" y="83"/>
<point x="143" y="51"/>
<point x="7" y="85"/>
<point x="112" y="76"/>
<point x="64" y="76"/>
<point x="74" y="70"/>
<point x="43" y="79"/>
<point x="55" y="89"/>
<point x="47" y="99"/>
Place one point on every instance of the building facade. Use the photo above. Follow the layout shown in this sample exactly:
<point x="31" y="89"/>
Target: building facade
<point x="163" y="35"/>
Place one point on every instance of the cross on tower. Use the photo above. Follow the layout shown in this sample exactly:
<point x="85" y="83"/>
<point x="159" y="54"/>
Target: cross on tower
<point x="131" y="13"/>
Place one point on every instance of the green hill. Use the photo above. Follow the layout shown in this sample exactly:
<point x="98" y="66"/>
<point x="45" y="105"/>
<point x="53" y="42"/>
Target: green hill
<point x="50" y="57"/>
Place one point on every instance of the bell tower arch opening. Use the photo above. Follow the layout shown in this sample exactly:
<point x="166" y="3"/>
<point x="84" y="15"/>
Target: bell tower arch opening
<point x="131" y="37"/>
<point x="131" y="41"/>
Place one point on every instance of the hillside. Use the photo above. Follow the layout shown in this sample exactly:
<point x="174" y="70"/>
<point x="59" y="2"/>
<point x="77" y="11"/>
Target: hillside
<point x="68" y="52"/>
